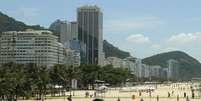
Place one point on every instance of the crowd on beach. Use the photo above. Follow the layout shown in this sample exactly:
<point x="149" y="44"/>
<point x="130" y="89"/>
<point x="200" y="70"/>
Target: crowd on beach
<point x="175" y="92"/>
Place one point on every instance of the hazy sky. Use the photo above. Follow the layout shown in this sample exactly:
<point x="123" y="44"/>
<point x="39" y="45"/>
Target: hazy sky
<point x="142" y="27"/>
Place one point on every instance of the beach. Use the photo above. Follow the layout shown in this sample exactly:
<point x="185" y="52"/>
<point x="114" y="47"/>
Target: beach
<point x="176" y="94"/>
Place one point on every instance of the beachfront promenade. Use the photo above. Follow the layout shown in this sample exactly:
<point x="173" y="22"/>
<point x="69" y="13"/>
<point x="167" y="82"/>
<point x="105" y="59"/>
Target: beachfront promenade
<point x="161" y="92"/>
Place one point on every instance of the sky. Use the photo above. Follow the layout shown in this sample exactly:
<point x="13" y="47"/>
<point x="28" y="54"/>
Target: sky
<point x="141" y="27"/>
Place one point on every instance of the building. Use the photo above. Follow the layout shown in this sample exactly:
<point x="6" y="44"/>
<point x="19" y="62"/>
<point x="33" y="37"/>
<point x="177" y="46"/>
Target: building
<point x="164" y="72"/>
<point x="72" y="53"/>
<point x="68" y="32"/>
<point x="90" y="26"/>
<point x="138" y="64"/>
<point x="120" y="63"/>
<point x="114" y="61"/>
<point x="155" y="71"/>
<point x="145" y="71"/>
<point x="173" y="69"/>
<point x="126" y="63"/>
<point x="40" y="47"/>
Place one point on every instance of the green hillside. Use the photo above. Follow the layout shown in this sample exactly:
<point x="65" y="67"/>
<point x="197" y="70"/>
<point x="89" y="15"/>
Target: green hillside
<point x="111" y="50"/>
<point x="189" y="66"/>
<point x="10" y="24"/>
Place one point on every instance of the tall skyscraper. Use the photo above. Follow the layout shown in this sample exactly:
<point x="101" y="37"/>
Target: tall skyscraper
<point x="68" y="32"/>
<point x="90" y="26"/>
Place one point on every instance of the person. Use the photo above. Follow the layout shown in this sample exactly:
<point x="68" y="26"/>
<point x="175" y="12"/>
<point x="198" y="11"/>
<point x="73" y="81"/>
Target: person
<point x="69" y="98"/>
<point x="94" y="94"/>
<point x="172" y="93"/>
<point x="177" y="97"/>
<point x="118" y="99"/>
<point x="168" y="94"/>
<point x="86" y="94"/>
<point x="157" y="98"/>
<point x="193" y="95"/>
<point x="184" y="94"/>
<point x="141" y="99"/>
<point x="140" y="93"/>
<point x="187" y="99"/>
<point x="149" y="93"/>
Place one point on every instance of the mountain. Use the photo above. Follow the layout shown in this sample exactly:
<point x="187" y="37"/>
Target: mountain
<point x="189" y="66"/>
<point x="108" y="48"/>
<point x="55" y="26"/>
<point x="10" y="24"/>
<point x="111" y="50"/>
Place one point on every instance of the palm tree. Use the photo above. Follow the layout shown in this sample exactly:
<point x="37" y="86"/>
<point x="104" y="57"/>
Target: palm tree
<point x="43" y="79"/>
<point x="57" y="77"/>
<point x="12" y="80"/>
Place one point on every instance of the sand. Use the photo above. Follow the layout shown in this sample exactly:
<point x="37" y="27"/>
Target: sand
<point x="161" y="92"/>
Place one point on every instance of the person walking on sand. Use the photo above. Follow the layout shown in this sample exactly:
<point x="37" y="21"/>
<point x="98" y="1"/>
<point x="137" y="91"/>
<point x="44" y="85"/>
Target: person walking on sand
<point x="168" y="94"/>
<point x="118" y="99"/>
<point x="69" y="98"/>
<point x="184" y="94"/>
<point x="157" y="98"/>
<point x="177" y="97"/>
<point x="187" y="99"/>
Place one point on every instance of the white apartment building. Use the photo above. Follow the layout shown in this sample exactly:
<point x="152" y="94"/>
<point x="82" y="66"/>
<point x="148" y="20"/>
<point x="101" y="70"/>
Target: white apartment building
<point x="121" y="63"/>
<point x="126" y="63"/>
<point x="155" y="70"/>
<point x="116" y="62"/>
<point x="40" y="47"/>
<point x="138" y="64"/>
<point x="173" y="69"/>
<point x="145" y="71"/>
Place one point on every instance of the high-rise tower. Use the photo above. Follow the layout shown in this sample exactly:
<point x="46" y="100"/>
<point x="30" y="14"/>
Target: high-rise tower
<point x="90" y="26"/>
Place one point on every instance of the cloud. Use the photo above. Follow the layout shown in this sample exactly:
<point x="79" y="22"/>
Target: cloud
<point x="155" y="46"/>
<point x="185" y="38"/>
<point x="138" y="39"/>
<point x="127" y="24"/>
<point x="167" y="49"/>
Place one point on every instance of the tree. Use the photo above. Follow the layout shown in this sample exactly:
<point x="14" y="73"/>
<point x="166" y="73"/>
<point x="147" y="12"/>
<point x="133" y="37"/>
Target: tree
<point x="43" y="79"/>
<point x="89" y="73"/>
<point x="12" y="80"/>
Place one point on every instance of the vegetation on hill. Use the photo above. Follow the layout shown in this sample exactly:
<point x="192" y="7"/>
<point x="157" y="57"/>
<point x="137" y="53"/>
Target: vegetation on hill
<point x="112" y="51"/>
<point x="10" y="24"/>
<point x="189" y="66"/>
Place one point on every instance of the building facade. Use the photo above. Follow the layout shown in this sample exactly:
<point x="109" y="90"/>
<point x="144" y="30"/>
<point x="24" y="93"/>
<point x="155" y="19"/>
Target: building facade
<point x="155" y="71"/>
<point x="68" y="32"/>
<point x="38" y="47"/>
<point x="114" y="61"/>
<point x="138" y="64"/>
<point x="173" y="69"/>
<point x="72" y="53"/>
<point x="129" y="65"/>
<point x="90" y="26"/>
